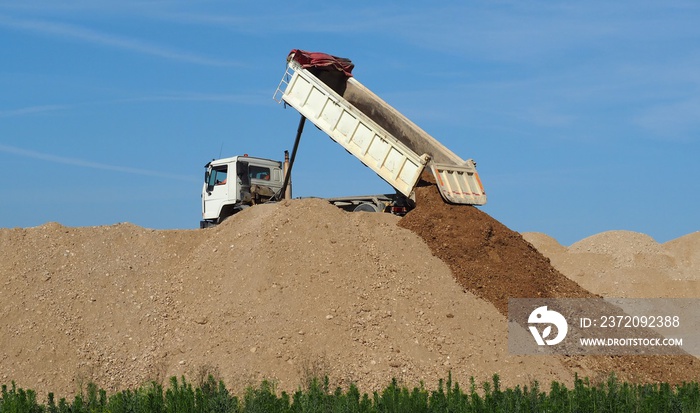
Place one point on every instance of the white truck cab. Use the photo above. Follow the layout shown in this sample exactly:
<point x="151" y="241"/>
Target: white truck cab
<point x="235" y="183"/>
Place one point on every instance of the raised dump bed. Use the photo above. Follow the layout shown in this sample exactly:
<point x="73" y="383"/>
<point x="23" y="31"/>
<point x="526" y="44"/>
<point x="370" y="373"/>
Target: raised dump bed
<point x="322" y="89"/>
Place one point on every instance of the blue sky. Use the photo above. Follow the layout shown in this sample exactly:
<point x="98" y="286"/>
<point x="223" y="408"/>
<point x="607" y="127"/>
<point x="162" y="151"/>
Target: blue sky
<point x="583" y="117"/>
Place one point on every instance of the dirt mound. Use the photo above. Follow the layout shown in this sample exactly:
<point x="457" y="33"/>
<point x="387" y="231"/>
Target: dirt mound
<point x="86" y="303"/>
<point x="629" y="264"/>
<point x="627" y="248"/>
<point x="686" y="253"/>
<point x="544" y="243"/>
<point x="496" y="263"/>
<point x="283" y="292"/>
<point x="279" y="291"/>
<point x="486" y="257"/>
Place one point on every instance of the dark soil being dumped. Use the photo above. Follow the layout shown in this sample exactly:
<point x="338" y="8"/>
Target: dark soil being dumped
<point x="486" y="257"/>
<point x="496" y="263"/>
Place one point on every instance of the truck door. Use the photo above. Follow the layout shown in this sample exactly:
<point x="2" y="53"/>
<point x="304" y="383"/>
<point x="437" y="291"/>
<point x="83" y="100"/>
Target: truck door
<point x="216" y="191"/>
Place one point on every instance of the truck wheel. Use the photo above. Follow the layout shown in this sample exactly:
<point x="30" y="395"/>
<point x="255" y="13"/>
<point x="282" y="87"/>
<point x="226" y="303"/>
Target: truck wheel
<point x="366" y="207"/>
<point x="206" y="224"/>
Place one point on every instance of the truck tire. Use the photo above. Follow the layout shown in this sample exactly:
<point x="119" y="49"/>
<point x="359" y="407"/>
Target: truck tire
<point x="206" y="224"/>
<point x="366" y="207"/>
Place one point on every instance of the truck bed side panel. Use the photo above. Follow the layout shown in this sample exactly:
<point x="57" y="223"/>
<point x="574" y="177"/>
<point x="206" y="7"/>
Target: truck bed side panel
<point x="381" y="137"/>
<point x="354" y="131"/>
<point x="458" y="180"/>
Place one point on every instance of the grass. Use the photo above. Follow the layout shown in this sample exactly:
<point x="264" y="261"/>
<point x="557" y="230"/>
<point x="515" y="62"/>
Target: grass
<point x="212" y="397"/>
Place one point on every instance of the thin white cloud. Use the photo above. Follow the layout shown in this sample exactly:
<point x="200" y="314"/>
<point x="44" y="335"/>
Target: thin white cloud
<point x="110" y="40"/>
<point x="329" y="20"/>
<point x="13" y="150"/>
<point x="251" y="99"/>
<point x="30" y="110"/>
<point x="247" y="99"/>
<point x="675" y="121"/>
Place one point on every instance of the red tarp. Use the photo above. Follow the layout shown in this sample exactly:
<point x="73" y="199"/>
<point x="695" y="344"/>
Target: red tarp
<point x="316" y="59"/>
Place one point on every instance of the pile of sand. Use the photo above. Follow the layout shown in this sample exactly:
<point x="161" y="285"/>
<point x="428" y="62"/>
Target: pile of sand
<point x="485" y="256"/>
<point x="286" y="291"/>
<point x="279" y="291"/>
<point x="627" y="264"/>
<point x="496" y="263"/>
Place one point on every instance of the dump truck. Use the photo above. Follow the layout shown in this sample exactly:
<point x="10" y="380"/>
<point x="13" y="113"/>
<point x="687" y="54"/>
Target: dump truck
<point x="233" y="184"/>
<point x="323" y="90"/>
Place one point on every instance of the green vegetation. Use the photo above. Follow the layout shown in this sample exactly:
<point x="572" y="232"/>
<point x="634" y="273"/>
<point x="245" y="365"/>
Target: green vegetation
<point x="212" y="396"/>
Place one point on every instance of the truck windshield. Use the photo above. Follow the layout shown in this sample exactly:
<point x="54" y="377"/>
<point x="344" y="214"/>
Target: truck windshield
<point x="217" y="176"/>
